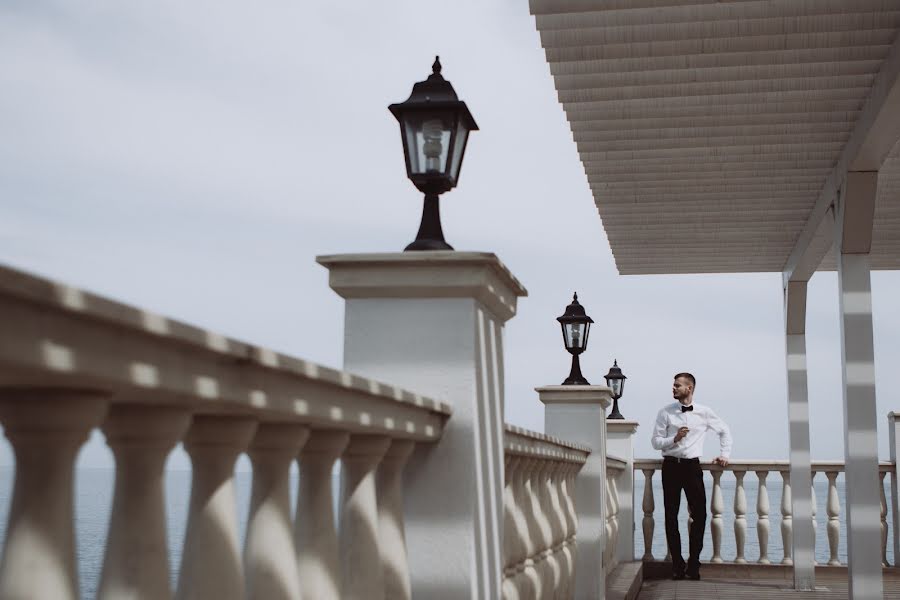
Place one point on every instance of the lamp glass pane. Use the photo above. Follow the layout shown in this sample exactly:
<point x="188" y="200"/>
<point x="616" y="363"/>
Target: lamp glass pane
<point x="575" y="333"/>
<point x="616" y="386"/>
<point x="427" y="141"/>
<point x="459" y="148"/>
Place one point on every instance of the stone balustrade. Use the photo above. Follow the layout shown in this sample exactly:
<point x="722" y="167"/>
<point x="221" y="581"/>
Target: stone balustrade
<point x="763" y="471"/>
<point x="539" y="515"/>
<point x="71" y="362"/>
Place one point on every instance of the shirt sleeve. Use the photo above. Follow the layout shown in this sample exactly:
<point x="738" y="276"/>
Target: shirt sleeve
<point x="659" y="441"/>
<point x="724" y="432"/>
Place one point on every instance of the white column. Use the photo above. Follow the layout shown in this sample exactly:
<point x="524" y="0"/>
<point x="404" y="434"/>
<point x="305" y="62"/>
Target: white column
<point x="392" y="539"/>
<point x="853" y="240"/>
<point x="787" y="518"/>
<point x="716" y="508"/>
<point x="211" y="561"/>
<point x="799" y="479"/>
<point x="894" y="440"/>
<point x="577" y="413"/>
<point x="137" y="555"/>
<point x="269" y="558"/>
<point x="740" y="516"/>
<point x="620" y="443"/>
<point x="648" y="505"/>
<point x="315" y="535"/>
<point x="432" y="322"/>
<point x="362" y="577"/>
<point x="762" y="517"/>
<point x="833" y="526"/>
<point x="46" y="428"/>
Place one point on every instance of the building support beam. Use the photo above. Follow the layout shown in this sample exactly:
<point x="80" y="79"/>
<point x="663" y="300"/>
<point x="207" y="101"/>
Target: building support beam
<point x="853" y="235"/>
<point x="803" y="542"/>
<point x="875" y="134"/>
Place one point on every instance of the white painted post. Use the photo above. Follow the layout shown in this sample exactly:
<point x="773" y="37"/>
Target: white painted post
<point x="46" y="429"/>
<point x="800" y="527"/>
<point x="392" y="539"/>
<point x="740" y="516"/>
<point x="577" y="413"/>
<point x="894" y="437"/>
<point x="136" y="564"/>
<point x="648" y="506"/>
<point x="432" y="322"/>
<point x="620" y="443"/>
<point x="853" y="239"/>
<point x="762" y="517"/>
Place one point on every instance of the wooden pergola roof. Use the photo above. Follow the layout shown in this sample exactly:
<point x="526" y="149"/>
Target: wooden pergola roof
<point x="715" y="135"/>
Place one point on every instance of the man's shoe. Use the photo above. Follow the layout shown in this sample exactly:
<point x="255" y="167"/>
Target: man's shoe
<point x="678" y="575"/>
<point x="693" y="575"/>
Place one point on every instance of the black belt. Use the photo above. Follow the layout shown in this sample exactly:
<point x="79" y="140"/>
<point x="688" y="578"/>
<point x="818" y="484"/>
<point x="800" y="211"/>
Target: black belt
<point x="675" y="459"/>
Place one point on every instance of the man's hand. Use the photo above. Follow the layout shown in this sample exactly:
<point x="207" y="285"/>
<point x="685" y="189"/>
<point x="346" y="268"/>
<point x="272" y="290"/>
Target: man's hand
<point x="682" y="431"/>
<point x="720" y="460"/>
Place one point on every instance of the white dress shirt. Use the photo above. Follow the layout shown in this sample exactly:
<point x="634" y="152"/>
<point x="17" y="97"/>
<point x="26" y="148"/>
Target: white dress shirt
<point x="698" y="421"/>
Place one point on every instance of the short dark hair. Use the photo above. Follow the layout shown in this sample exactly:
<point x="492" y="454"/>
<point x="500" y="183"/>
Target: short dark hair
<point x="689" y="377"/>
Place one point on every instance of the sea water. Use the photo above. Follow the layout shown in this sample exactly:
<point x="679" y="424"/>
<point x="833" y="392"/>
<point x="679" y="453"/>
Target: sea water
<point x="94" y="491"/>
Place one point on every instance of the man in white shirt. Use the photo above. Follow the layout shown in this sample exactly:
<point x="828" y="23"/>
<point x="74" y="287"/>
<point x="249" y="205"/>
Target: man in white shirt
<point x="679" y="433"/>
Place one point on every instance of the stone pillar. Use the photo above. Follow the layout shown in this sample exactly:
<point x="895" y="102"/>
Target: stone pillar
<point x="211" y="561"/>
<point x="46" y="428"/>
<point x="137" y="554"/>
<point x="432" y="322"/>
<point x="620" y="443"/>
<point x="577" y="413"/>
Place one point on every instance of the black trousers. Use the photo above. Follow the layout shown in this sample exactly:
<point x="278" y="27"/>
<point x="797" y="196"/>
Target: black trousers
<point x="687" y="476"/>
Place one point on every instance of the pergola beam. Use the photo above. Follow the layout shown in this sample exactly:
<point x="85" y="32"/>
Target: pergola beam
<point x="876" y="132"/>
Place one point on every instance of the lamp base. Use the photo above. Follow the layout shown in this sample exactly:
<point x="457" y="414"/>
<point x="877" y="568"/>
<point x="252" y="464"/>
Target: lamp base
<point x="431" y="235"/>
<point x="615" y="414"/>
<point x="575" y="377"/>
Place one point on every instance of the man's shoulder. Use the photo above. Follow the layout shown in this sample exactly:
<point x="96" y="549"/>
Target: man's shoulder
<point x="668" y="408"/>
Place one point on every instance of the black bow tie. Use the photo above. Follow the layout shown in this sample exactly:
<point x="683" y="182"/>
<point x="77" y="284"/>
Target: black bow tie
<point x="687" y="408"/>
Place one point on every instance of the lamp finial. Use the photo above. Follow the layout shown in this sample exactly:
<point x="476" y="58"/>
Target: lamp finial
<point x="436" y="67"/>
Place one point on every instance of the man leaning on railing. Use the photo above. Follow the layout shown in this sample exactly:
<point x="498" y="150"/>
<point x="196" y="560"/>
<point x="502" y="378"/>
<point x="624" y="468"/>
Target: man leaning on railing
<point x="679" y="433"/>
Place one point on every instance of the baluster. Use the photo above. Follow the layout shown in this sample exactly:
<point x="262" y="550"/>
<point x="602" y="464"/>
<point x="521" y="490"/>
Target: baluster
<point x="762" y="517"/>
<point x="740" y="516"/>
<point x="570" y="472"/>
<point x="361" y="574"/>
<point x="884" y="560"/>
<point x="559" y="529"/>
<point x="315" y="537"/>
<point x="607" y="548"/>
<point x="833" y="509"/>
<point x="815" y="525"/>
<point x="523" y="582"/>
<point x="269" y="558"/>
<point x="211" y="561"/>
<point x="554" y="575"/>
<point x="392" y="539"/>
<point x="614" y="520"/>
<point x="648" y="506"/>
<point x="511" y="533"/>
<point x="716" y="508"/>
<point x="787" y="519"/>
<point x="46" y="428"/>
<point x="532" y="511"/>
<point x="546" y="569"/>
<point x="137" y="563"/>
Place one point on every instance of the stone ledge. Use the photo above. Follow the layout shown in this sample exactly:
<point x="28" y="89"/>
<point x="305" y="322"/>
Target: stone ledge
<point x="625" y="581"/>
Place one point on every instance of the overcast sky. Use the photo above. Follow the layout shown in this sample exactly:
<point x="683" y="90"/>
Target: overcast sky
<point x="192" y="158"/>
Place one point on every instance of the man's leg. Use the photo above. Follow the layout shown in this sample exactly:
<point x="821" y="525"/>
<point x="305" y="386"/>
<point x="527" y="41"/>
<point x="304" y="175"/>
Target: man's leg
<point x="671" y="480"/>
<point x="695" y="491"/>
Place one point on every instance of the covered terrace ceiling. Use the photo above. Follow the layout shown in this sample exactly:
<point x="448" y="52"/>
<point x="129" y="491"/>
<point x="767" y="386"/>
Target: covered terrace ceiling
<point x="715" y="134"/>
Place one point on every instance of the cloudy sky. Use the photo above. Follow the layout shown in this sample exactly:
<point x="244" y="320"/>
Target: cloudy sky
<point x="193" y="158"/>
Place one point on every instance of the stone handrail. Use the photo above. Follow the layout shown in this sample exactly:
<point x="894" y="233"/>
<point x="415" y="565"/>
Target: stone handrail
<point x="761" y="468"/>
<point x="71" y="361"/>
<point x="539" y="514"/>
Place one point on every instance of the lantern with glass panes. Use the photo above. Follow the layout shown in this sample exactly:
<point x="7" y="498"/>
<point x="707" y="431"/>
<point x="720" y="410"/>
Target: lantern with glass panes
<point x="576" y="326"/>
<point x="615" y="381"/>
<point x="434" y="125"/>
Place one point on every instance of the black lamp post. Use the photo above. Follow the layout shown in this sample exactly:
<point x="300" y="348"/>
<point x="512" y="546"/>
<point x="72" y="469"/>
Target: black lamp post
<point x="615" y="381"/>
<point x="576" y="326"/>
<point x="434" y="125"/>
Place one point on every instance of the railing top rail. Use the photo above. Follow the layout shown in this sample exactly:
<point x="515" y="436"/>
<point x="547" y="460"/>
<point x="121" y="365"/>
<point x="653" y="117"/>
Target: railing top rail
<point x="55" y="334"/>
<point x="524" y="442"/>
<point x="819" y="466"/>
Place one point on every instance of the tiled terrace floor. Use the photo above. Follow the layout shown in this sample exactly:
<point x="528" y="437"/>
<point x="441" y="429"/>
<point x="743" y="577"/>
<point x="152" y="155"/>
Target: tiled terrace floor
<point x="758" y="586"/>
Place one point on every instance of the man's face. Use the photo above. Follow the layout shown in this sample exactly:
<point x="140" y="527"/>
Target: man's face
<point x="681" y="389"/>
